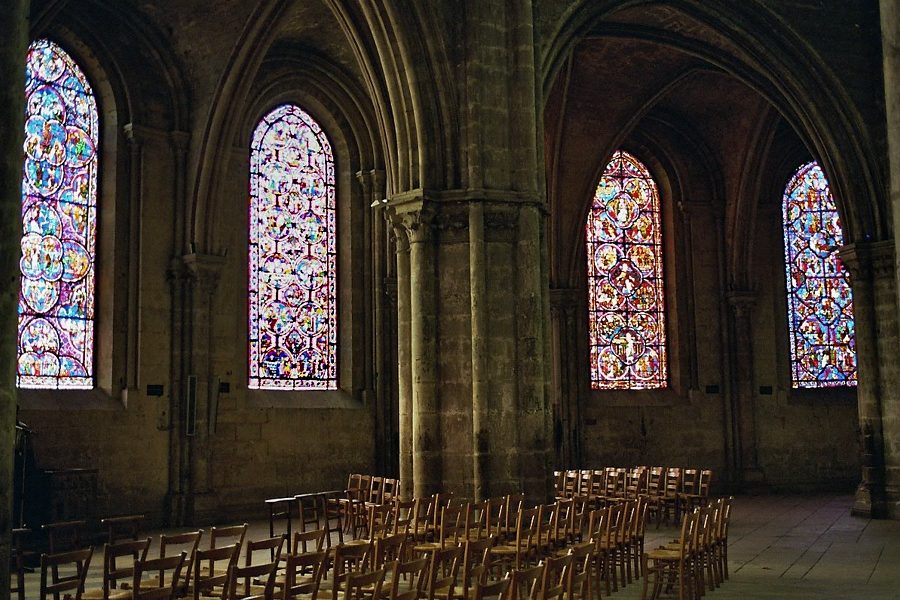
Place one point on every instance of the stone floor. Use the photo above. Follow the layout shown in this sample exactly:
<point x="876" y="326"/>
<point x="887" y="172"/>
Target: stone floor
<point x="780" y="547"/>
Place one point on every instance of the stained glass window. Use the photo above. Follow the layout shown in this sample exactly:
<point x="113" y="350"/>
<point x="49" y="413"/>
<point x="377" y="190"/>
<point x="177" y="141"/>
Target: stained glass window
<point x="293" y="275"/>
<point x="59" y="217"/>
<point x="820" y="304"/>
<point x="625" y="280"/>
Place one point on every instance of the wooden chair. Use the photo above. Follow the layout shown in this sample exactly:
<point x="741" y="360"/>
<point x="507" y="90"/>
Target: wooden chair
<point x="390" y="490"/>
<point x="219" y="535"/>
<point x="63" y="536"/>
<point x="476" y="552"/>
<point x="173" y="545"/>
<point x="281" y="508"/>
<point x="308" y="541"/>
<point x="525" y="584"/>
<point x="275" y="547"/>
<point x="19" y="556"/>
<point x="585" y="481"/>
<point x="442" y="573"/>
<point x="669" y="499"/>
<point x="141" y="588"/>
<point x="125" y="527"/>
<point x="522" y="551"/>
<point x="309" y="511"/>
<point x="376" y="490"/>
<point x="510" y="507"/>
<point x="655" y="492"/>
<point x="422" y="526"/>
<point x="303" y="575"/>
<point x="690" y="486"/>
<point x="348" y="558"/>
<point x="333" y="515"/>
<point x="388" y="549"/>
<point x="113" y="572"/>
<point x="404" y="516"/>
<point x="721" y="545"/>
<point x="216" y="574"/>
<point x="364" y="586"/>
<point x="479" y="520"/>
<point x="242" y="584"/>
<point x="638" y="534"/>
<point x="448" y="531"/>
<point x="483" y="588"/>
<point x="603" y="532"/>
<point x="416" y="572"/>
<point x="696" y="494"/>
<point x="580" y="575"/>
<point x="670" y="567"/>
<point x="555" y="581"/>
<point x="635" y="482"/>
<point x="79" y="560"/>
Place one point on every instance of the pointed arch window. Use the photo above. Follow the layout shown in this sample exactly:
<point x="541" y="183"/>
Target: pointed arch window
<point x="626" y="300"/>
<point x="59" y="219"/>
<point x="820" y="302"/>
<point x="293" y="262"/>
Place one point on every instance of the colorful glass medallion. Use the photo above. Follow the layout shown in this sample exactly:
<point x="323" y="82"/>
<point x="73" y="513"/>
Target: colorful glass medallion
<point x="293" y="275"/>
<point x="820" y="303"/>
<point x="59" y="219"/>
<point x="626" y="304"/>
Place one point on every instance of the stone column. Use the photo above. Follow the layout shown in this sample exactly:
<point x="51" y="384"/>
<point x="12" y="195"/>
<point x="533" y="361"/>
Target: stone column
<point x="404" y="362"/>
<point x="742" y="393"/>
<point x="426" y="429"/>
<point x="871" y="267"/>
<point x="203" y="271"/>
<point x="564" y="304"/>
<point x="14" y="33"/>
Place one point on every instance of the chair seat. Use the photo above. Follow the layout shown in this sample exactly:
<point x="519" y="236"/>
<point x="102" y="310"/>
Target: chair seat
<point x="97" y="594"/>
<point x="664" y="554"/>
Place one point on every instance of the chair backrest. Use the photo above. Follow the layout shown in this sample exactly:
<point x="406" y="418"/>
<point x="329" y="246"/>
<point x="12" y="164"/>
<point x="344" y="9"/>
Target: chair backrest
<point x="348" y="558"/>
<point x="141" y="588"/>
<point x="416" y="571"/>
<point x="525" y="584"/>
<point x="390" y="489"/>
<point x="635" y="482"/>
<point x="308" y="541"/>
<point x="113" y="571"/>
<point x="379" y="522"/>
<point x="705" y="482"/>
<point x="241" y="578"/>
<point x="489" y="589"/>
<point x="363" y="586"/>
<point x="655" y="481"/>
<point x="233" y="533"/>
<point x="476" y="552"/>
<point x="125" y="527"/>
<point x="390" y="548"/>
<point x="376" y="491"/>
<point x="450" y="527"/>
<point x="555" y="580"/>
<point x="188" y="543"/>
<point x="310" y="568"/>
<point x="690" y="481"/>
<point x="215" y="574"/>
<point x="80" y="560"/>
<point x="580" y="571"/>
<point x="443" y="571"/>
<point x="673" y="481"/>
<point x="570" y="483"/>
<point x="479" y="519"/>
<point x="64" y="535"/>
<point x="585" y="481"/>
<point x="364" y="492"/>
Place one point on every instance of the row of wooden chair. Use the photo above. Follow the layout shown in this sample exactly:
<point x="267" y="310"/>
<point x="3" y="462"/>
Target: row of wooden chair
<point x="697" y="561"/>
<point x="669" y="490"/>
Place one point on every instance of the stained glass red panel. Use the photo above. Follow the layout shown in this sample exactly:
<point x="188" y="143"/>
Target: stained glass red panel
<point x="293" y="274"/>
<point x="626" y="304"/>
<point x="820" y="303"/>
<point x="59" y="218"/>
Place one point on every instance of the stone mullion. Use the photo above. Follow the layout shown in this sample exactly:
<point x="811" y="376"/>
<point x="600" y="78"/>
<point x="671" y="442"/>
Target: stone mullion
<point x="14" y="33"/>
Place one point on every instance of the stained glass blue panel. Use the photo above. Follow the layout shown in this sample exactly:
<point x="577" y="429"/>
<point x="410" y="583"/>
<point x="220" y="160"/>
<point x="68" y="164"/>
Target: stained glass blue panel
<point x="293" y="274"/>
<point x="820" y="303"/>
<point x="59" y="216"/>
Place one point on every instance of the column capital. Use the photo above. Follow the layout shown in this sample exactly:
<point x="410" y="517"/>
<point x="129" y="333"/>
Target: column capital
<point x="867" y="260"/>
<point x="416" y="220"/>
<point x="204" y="270"/>
<point x="741" y="301"/>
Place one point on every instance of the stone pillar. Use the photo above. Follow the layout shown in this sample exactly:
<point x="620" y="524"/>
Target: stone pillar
<point x="564" y="306"/>
<point x="203" y="272"/>
<point x="742" y="392"/>
<point x="404" y="362"/>
<point x="14" y="33"/>
<point x="426" y="429"/>
<point x="871" y="267"/>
